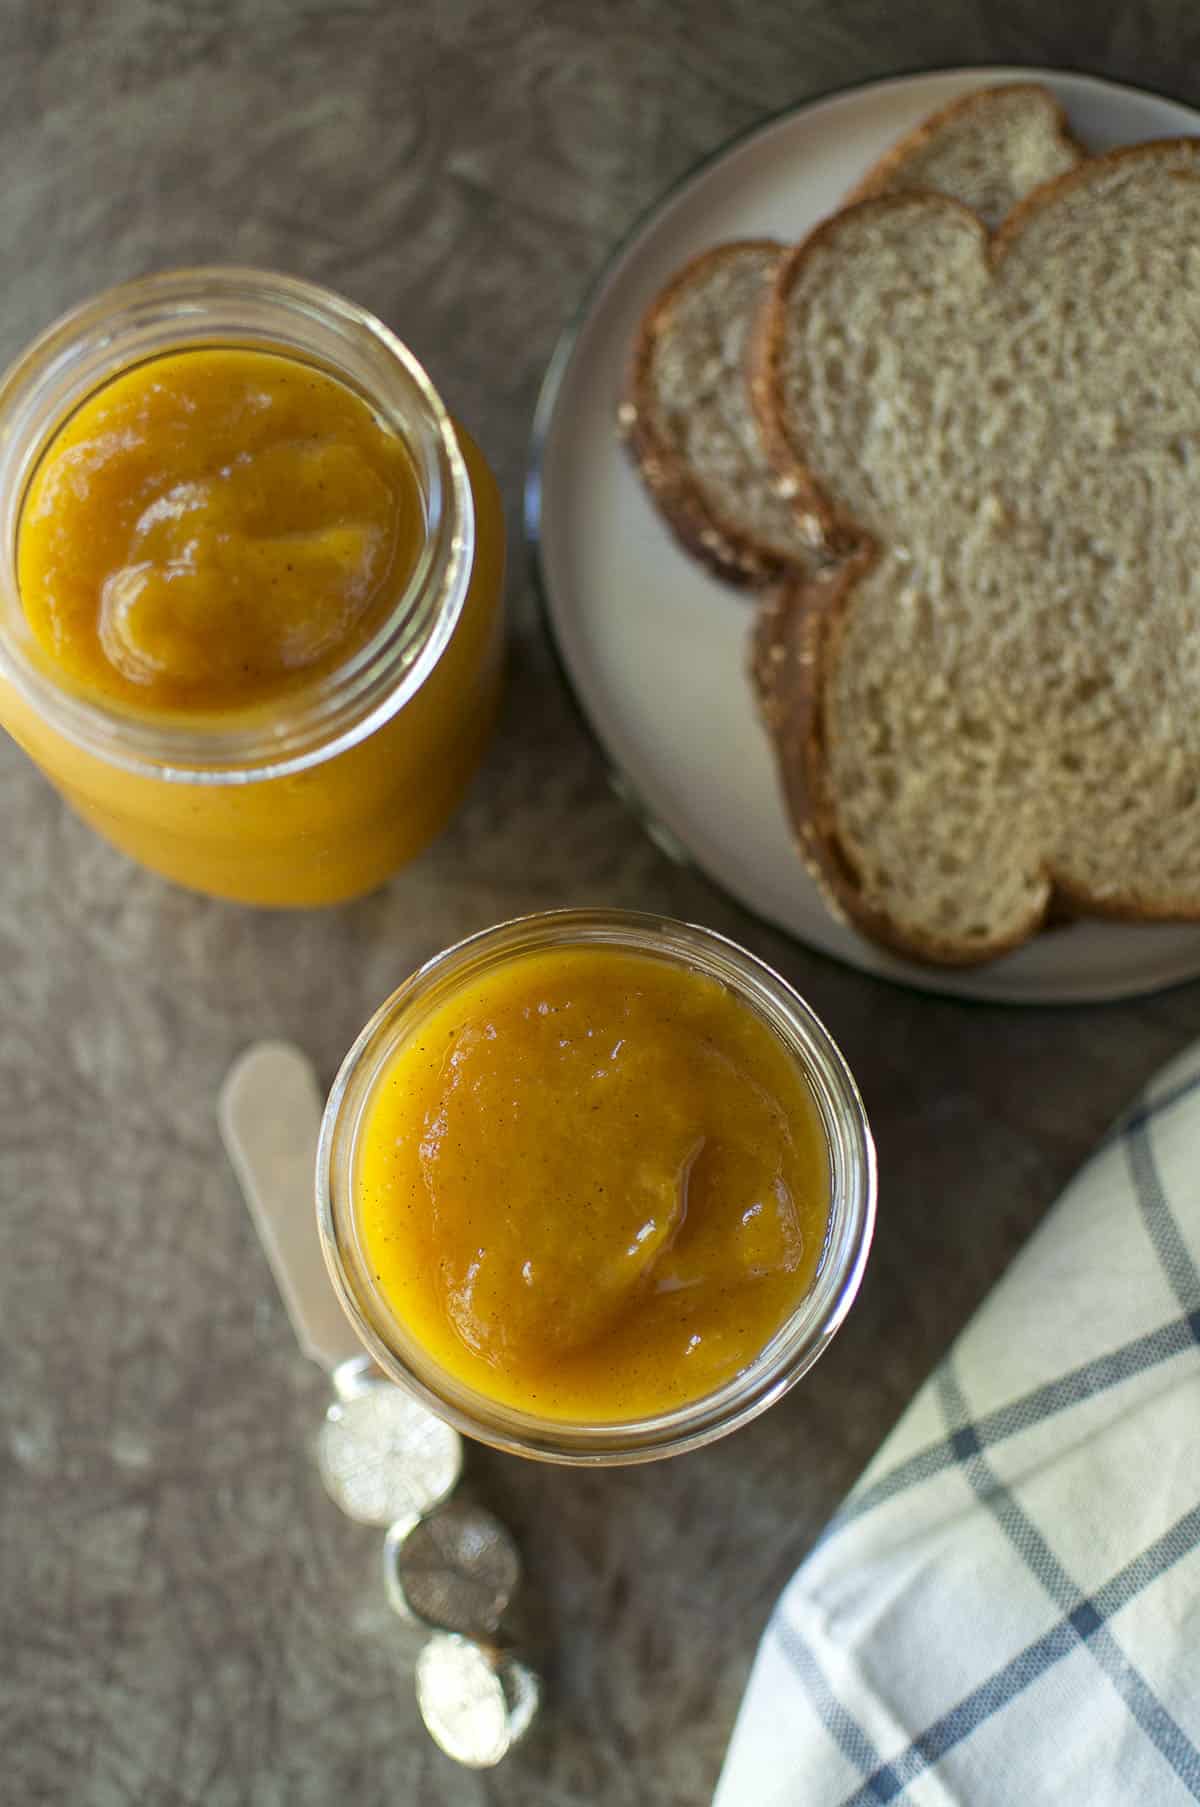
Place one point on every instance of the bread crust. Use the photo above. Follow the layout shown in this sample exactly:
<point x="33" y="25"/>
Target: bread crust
<point x="879" y="177"/>
<point x="840" y="533"/>
<point x="796" y="635"/>
<point x="799" y="629"/>
<point x="697" y="524"/>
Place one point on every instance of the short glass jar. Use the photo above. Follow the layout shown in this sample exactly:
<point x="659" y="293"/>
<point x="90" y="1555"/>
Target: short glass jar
<point x="320" y="796"/>
<point x="788" y="1354"/>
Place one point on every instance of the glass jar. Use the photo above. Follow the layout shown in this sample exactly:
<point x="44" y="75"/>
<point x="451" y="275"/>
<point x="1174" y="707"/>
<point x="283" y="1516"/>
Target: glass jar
<point x="794" y="1347"/>
<point x="321" y="796"/>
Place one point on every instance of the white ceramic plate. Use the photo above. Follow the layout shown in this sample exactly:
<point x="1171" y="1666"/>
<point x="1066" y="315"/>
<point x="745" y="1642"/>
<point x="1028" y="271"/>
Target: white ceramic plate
<point x="656" y="650"/>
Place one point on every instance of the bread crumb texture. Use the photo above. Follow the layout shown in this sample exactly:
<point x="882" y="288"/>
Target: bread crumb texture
<point x="698" y="397"/>
<point x="988" y="151"/>
<point x="1011" y="700"/>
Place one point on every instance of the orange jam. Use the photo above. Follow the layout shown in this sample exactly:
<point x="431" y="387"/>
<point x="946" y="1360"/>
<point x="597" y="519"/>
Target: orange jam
<point x="205" y="545"/>
<point x="592" y="1184"/>
<point x="212" y="528"/>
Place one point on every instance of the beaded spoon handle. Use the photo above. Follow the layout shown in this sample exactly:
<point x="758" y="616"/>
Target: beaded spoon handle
<point x="384" y="1459"/>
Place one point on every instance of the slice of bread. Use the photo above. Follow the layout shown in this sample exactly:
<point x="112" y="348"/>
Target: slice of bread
<point x="988" y="150"/>
<point x="689" y="424"/>
<point x="994" y="702"/>
<point x="686" y="413"/>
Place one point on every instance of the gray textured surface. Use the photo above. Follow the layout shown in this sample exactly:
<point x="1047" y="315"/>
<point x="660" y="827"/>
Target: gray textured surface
<point x="184" y="1618"/>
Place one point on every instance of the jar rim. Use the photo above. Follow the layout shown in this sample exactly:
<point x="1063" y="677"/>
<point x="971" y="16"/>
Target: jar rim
<point x="226" y="305"/>
<point x="795" y="1345"/>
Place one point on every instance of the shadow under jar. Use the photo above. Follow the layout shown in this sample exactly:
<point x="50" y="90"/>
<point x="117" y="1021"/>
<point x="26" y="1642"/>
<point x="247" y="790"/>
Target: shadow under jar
<point x="595" y="1186"/>
<point x="317" y="788"/>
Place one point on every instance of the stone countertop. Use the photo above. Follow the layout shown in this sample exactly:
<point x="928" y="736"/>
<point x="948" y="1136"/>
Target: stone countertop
<point x="183" y="1616"/>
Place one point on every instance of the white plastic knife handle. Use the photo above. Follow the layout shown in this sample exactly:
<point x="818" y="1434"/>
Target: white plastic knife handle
<point x="269" y="1111"/>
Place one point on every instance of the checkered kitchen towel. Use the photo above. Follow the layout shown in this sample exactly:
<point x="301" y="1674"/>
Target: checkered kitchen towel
<point x="1007" y="1607"/>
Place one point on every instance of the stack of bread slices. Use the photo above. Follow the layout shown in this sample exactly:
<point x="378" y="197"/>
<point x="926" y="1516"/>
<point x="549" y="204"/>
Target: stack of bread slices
<point x="952" y="443"/>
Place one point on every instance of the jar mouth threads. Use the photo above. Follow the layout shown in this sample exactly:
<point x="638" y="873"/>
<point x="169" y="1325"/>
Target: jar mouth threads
<point x="231" y="307"/>
<point x="786" y="1356"/>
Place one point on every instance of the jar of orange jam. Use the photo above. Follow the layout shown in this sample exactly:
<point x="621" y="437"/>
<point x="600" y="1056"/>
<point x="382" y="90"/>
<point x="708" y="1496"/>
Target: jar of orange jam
<point x="251" y="589"/>
<point x="596" y="1186"/>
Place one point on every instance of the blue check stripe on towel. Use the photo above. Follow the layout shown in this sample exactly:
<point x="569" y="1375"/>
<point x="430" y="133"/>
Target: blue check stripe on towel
<point x="1007" y="1607"/>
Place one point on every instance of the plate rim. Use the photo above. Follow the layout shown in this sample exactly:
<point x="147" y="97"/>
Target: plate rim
<point x="911" y="977"/>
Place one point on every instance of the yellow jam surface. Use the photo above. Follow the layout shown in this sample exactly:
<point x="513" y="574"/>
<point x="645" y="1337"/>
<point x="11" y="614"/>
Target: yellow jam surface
<point x="592" y="1185"/>
<point x="212" y="528"/>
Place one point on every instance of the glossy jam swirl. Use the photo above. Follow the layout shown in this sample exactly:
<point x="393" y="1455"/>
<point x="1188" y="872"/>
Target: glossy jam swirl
<point x="593" y="1184"/>
<point x="213" y="528"/>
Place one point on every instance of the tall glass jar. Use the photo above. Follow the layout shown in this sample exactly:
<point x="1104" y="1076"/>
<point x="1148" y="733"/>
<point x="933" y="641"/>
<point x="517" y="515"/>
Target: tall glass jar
<point x="800" y="1340"/>
<point x="323" y="795"/>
